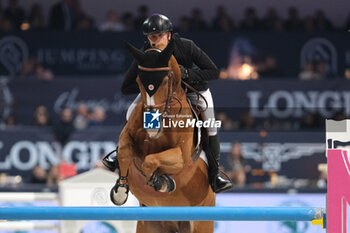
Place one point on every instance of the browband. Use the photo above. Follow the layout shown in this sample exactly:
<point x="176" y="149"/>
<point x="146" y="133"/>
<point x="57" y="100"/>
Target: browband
<point x="153" y="69"/>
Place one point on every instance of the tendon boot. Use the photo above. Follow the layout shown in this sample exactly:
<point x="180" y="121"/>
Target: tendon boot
<point x="111" y="161"/>
<point x="217" y="183"/>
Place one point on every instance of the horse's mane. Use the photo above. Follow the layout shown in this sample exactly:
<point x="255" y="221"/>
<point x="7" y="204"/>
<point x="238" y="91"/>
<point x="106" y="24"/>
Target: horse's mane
<point x="174" y="66"/>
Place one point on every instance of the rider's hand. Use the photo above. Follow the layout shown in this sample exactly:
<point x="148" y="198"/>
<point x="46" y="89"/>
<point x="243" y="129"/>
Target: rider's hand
<point x="184" y="73"/>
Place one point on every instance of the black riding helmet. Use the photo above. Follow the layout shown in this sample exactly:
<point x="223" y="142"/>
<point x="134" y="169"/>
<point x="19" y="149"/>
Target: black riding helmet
<point x="157" y="23"/>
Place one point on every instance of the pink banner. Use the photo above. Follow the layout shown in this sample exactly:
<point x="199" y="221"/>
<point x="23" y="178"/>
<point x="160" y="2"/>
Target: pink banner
<point x="338" y="190"/>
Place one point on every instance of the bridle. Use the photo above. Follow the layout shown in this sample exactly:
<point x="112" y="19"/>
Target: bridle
<point x="171" y="96"/>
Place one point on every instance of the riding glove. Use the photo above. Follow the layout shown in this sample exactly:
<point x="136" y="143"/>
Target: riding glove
<point x="184" y="73"/>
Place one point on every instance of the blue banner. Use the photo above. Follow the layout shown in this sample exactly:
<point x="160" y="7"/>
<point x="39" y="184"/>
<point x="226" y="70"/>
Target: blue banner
<point x="293" y="155"/>
<point x="262" y="99"/>
<point x="95" y="53"/>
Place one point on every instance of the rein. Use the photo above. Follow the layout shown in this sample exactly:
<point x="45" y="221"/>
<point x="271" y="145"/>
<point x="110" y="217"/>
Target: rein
<point x="198" y="95"/>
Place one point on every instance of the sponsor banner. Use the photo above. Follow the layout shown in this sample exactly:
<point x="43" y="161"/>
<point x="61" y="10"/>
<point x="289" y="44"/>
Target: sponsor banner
<point x="69" y="93"/>
<point x="338" y="174"/>
<point x="24" y="147"/>
<point x="283" y="99"/>
<point x="95" y="53"/>
<point x="263" y="99"/>
<point x="289" y="154"/>
<point x="73" y="53"/>
<point x="270" y="200"/>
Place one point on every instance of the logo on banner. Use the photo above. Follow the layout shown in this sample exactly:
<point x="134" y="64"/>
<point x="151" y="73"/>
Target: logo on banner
<point x="13" y="51"/>
<point x="320" y="49"/>
<point x="291" y="103"/>
<point x="291" y="227"/>
<point x="272" y="155"/>
<point x="151" y="120"/>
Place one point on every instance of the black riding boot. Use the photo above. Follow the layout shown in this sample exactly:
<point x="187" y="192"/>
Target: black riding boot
<point x="111" y="161"/>
<point x="217" y="183"/>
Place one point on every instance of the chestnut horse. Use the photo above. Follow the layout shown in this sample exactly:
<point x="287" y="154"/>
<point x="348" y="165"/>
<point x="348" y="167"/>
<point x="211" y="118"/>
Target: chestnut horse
<point x="157" y="164"/>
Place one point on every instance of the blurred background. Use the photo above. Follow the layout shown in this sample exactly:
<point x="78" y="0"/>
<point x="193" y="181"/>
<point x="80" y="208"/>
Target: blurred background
<point x="285" y="68"/>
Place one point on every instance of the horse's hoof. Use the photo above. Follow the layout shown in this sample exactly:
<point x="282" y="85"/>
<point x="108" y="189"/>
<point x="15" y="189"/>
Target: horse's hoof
<point x="156" y="182"/>
<point x="170" y="184"/>
<point x="119" y="194"/>
<point x="164" y="184"/>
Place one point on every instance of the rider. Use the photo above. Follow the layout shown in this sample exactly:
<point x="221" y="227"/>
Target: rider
<point x="196" y="69"/>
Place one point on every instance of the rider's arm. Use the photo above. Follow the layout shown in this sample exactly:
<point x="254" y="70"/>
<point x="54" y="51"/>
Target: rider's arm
<point x="129" y="85"/>
<point x="207" y="69"/>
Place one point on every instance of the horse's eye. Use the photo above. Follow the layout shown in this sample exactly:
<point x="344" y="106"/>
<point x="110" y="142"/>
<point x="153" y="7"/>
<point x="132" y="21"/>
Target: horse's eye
<point x="165" y="82"/>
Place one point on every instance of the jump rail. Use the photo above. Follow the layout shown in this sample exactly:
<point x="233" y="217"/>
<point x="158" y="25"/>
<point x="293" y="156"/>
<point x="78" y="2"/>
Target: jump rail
<point x="163" y="213"/>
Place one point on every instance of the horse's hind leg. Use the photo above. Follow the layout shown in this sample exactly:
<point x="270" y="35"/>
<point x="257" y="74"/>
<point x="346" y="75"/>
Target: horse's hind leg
<point x="185" y="227"/>
<point x="164" y="227"/>
<point x="150" y="227"/>
<point x="203" y="227"/>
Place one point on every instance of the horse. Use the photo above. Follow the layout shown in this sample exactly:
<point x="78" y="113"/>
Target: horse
<point x="158" y="165"/>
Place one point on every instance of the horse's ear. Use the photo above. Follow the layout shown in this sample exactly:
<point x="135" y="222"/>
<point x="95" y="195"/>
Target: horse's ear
<point x="167" y="52"/>
<point x="136" y="53"/>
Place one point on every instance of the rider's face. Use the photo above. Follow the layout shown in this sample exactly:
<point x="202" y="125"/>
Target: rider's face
<point x="159" y="40"/>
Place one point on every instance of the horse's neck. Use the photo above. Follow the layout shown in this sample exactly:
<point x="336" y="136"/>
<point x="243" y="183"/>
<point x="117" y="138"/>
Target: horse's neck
<point x="180" y="92"/>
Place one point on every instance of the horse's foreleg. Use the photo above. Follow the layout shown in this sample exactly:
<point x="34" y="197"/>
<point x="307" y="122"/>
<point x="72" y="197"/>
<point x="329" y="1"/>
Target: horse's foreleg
<point x="120" y="191"/>
<point x="168" y="162"/>
<point x="158" y="166"/>
<point x="125" y="156"/>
